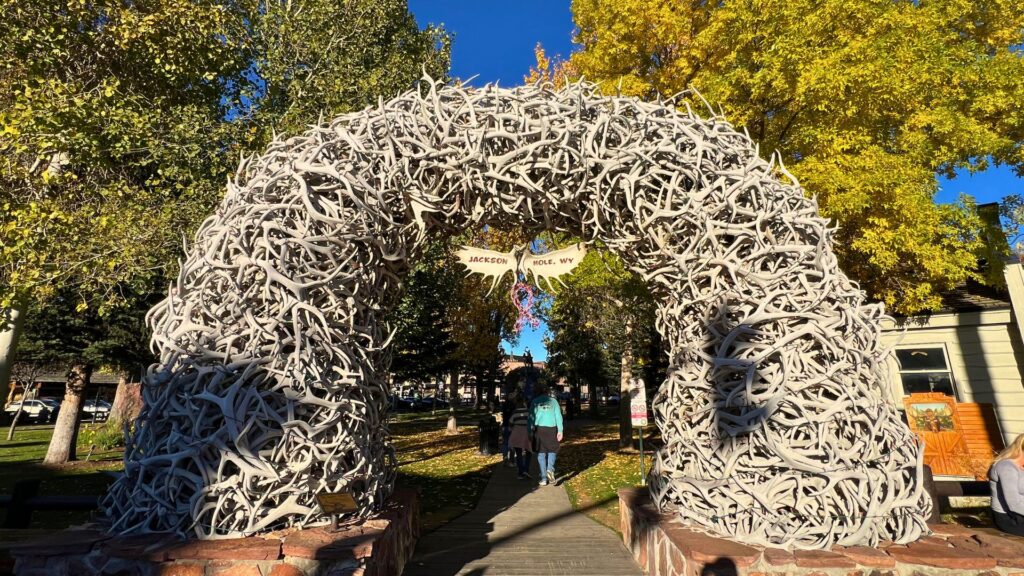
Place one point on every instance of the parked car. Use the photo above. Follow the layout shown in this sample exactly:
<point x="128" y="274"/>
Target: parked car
<point x="54" y="405"/>
<point x="433" y="402"/>
<point x="98" y="408"/>
<point x="404" y="403"/>
<point x="613" y="400"/>
<point x="35" y="410"/>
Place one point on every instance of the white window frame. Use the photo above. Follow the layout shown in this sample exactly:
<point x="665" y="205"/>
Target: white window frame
<point x="945" y="356"/>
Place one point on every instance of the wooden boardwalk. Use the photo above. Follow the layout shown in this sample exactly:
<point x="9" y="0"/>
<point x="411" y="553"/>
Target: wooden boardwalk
<point x="520" y="529"/>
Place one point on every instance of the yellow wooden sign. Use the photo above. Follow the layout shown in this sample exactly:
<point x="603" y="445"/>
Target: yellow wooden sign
<point x="336" y="503"/>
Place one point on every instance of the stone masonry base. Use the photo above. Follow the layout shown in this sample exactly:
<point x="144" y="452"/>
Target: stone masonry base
<point x="667" y="548"/>
<point x="377" y="547"/>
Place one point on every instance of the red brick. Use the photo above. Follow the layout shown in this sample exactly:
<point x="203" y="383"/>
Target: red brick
<point x="871" y="557"/>
<point x="229" y="549"/>
<point x="1008" y="551"/>
<point x="941" y="556"/>
<point x="822" y="559"/>
<point x="641" y="556"/>
<point x="180" y="569"/>
<point x="705" y="549"/>
<point x="934" y="540"/>
<point x="285" y="569"/>
<point x="232" y="568"/>
<point x="778" y="556"/>
<point x="322" y="544"/>
<point x="951" y="530"/>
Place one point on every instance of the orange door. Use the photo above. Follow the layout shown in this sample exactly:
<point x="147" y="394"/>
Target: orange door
<point x="934" y="418"/>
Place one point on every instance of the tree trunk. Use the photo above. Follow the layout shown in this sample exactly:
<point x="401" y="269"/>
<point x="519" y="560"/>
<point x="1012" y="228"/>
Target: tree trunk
<point x="11" y="321"/>
<point x="453" y="387"/>
<point x="479" y="385"/>
<point x="453" y="396"/>
<point x="625" y="426"/>
<point x="492" y="386"/>
<point x="127" y="400"/>
<point x="17" y="416"/>
<point x="26" y="392"/>
<point x="595" y="395"/>
<point x="65" y="432"/>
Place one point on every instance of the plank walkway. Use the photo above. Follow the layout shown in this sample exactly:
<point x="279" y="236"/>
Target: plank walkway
<point x="520" y="529"/>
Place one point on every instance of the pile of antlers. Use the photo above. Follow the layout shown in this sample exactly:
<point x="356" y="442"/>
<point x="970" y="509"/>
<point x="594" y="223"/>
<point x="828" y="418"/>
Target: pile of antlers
<point x="273" y="342"/>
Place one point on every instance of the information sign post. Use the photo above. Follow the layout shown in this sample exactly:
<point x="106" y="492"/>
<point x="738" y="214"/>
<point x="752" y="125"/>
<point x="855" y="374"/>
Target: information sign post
<point x="638" y="416"/>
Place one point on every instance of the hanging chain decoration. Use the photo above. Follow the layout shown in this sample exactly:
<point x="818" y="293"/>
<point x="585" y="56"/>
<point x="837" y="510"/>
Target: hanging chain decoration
<point x="273" y="342"/>
<point x="523" y="298"/>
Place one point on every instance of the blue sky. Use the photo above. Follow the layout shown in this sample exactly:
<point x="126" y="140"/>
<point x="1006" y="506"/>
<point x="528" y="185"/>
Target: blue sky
<point x="494" y="41"/>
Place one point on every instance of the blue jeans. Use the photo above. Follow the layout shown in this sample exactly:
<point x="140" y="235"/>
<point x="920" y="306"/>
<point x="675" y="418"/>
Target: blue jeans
<point x="547" y="462"/>
<point x="522" y="465"/>
<point x="506" y="450"/>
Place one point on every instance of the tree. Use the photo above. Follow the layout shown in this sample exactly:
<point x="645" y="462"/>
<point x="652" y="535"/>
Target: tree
<point x="323" y="57"/>
<point x="576" y="353"/>
<point x="110" y="123"/>
<point x="24" y="373"/>
<point x="120" y="122"/>
<point x="61" y="335"/>
<point x="423" y="347"/>
<point x="866" y="101"/>
<point x="602" y="306"/>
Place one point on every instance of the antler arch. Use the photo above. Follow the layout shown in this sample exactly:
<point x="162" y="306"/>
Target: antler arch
<point x="273" y="341"/>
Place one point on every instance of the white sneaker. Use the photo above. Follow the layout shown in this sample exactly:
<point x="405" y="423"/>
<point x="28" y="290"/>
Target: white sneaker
<point x="551" y="476"/>
<point x="543" y="482"/>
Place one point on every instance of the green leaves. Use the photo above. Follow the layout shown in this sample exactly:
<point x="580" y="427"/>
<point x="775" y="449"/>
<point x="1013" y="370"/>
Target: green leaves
<point x="120" y="122"/>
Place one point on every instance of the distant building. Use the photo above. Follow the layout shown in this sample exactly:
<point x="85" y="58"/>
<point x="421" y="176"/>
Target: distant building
<point x="51" y="384"/>
<point x="514" y="361"/>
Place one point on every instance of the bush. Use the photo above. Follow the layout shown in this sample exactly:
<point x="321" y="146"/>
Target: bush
<point x="107" y="436"/>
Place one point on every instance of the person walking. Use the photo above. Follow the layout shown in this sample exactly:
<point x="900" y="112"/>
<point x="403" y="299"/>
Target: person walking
<point x="508" y="407"/>
<point x="546" y="428"/>
<point x="519" y="438"/>
<point x="1006" y="480"/>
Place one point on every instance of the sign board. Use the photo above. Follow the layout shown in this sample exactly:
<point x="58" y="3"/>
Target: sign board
<point x="336" y="503"/>
<point x="546" y="267"/>
<point x="637" y="402"/>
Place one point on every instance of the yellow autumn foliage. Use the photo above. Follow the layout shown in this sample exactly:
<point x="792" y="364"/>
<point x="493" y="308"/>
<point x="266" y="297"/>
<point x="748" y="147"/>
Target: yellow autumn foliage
<point x="866" y="100"/>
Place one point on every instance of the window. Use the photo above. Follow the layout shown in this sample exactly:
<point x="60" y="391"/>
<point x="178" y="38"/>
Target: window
<point x="925" y="369"/>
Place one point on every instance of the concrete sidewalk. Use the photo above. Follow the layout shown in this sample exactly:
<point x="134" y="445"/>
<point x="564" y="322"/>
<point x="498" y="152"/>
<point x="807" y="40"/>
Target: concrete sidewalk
<point x="520" y="528"/>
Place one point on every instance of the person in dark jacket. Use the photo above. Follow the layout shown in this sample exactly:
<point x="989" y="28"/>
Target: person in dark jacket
<point x="507" y="408"/>
<point x="519" y="439"/>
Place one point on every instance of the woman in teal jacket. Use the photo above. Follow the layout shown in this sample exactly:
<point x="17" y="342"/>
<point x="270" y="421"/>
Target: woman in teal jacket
<point x="546" y="427"/>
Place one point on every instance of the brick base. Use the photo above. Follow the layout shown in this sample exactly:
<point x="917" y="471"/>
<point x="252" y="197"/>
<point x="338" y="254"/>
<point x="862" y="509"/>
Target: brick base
<point x="666" y="548"/>
<point x="377" y="547"/>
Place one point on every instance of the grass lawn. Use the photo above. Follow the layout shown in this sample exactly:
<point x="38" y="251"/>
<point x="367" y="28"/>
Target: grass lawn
<point x="22" y="459"/>
<point x="447" y="470"/>
<point x="595" y="468"/>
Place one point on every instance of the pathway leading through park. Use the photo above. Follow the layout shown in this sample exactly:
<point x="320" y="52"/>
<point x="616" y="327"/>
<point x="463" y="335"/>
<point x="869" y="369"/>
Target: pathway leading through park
<point x="519" y="528"/>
